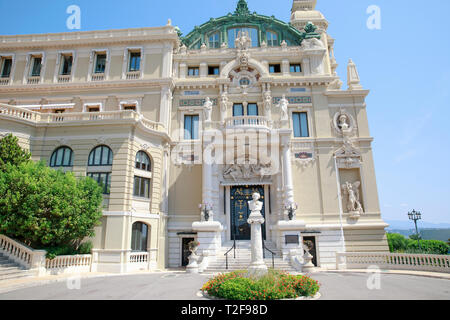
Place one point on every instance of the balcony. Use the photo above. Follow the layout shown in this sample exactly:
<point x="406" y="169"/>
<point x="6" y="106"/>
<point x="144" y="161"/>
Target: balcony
<point x="34" y="80"/>
<point x="246" y="122"/>
<point x="76" y="118"/>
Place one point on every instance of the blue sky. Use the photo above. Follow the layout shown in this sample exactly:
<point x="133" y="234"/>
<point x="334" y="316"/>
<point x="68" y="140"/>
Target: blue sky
<point x="406" y="66"/>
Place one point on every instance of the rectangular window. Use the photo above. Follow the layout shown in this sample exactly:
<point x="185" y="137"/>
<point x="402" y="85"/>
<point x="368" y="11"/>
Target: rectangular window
<point x="93" y="109"/>
<point x="193" y="71"/>
<point x="66" y="65"/>
<point x="252" y="109"/>
<point x="6" y="64"/>
<point x="103" y="180"/>
<point x="238" y="110"/>
<point x="141" y="187"/>
<point x="300" y="120"/>
<point x="36" y="67"/>
<point x="100" y="63"/>
<point x="272" y="39"/>
<point x="295" y="68"/>
<point x="135" y="61"/>
<point x="213" y="71"/>
<point x="191" y="127"/>
<point x="214" y="41"/>
<point x="129" y="107"/>
<point x="274" y="68"/>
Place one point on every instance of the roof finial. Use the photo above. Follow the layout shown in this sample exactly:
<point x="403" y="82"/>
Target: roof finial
<point x="242" y="8"/>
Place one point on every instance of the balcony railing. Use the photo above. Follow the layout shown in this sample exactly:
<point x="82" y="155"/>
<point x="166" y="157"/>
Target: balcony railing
<point x="248" y="121"/>
<point x="34" y="80"/>
<point x="4" y="81"/>
<point x="133" y="75"/>
<point x="34" y="117"/>
<point x="98" y="77"/>
<point x="64" y="78"/>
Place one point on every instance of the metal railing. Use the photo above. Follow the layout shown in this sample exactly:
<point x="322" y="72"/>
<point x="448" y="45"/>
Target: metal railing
<point x="264" y="252"/>
<point x="226" y="254"/>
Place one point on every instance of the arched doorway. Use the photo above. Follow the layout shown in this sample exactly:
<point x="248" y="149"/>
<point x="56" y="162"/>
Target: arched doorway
<point x="139" y="237"/>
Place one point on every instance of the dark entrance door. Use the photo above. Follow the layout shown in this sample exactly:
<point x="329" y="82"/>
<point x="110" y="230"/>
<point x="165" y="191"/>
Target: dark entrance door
<point x="311" y="242"/>
<point x="240" y="196"/>
<point x="186" y="253"/>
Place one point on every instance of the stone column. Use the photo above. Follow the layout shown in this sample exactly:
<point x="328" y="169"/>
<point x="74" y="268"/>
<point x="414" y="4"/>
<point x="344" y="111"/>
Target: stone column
<point x="288" y="186"/>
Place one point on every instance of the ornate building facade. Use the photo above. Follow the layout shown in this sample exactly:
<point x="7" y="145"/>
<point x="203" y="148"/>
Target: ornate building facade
<point x="180" y="131"/>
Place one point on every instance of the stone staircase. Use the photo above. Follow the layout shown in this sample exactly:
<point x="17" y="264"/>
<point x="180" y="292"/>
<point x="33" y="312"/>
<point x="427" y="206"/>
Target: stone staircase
<point x="11" y="271"/>
<point x="243" y="258"/>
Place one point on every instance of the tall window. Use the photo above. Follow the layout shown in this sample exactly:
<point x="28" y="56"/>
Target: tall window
<point x="275" y="68"/>
<point x="66" y="65"/>
<point x="6" y="64"/>
<point x="191" y="127"/>
<point x="272" y="39"/>
<point x="214" y="40"/>
<point x="100" y="63"/>
<point x="139" y="237"/>
<point x="234" y="32"/>
<point x="101" y="156"/>
<point x="300" y="120"/>
<point x="143" y="161"/>
<point x="103" y="179"/>
<point x="238" y="110"/>
<point x="135" y="61"/>
<point x="141" y="187"/>
<point x="62" y="157"/>
<point x="36" y="66"/>
<point x="252" y="109"/>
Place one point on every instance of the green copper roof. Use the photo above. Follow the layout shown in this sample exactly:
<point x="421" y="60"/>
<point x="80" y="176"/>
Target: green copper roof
<point x="242" y="17"/>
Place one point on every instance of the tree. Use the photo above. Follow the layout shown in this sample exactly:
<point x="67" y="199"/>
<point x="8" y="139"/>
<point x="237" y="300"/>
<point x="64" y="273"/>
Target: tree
<point x="397" y="242"/>
<point x="415" y="237"/>
<point x="43" y="207"/>
<point x="11" y="152"/>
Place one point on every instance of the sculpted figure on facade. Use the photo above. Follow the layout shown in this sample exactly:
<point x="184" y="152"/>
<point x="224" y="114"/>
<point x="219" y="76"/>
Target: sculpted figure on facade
<point x="283" y="105"/>
<point x="224" y="101"/>
<point x="247" y="171"/>
<point x="207" y="108"/>
<point x="268" y="104"/>
<point x="351" y="192"/>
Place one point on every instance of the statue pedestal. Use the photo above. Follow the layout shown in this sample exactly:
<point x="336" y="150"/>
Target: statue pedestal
<point x="257" y="268"/>
<point x="193" y="263"/>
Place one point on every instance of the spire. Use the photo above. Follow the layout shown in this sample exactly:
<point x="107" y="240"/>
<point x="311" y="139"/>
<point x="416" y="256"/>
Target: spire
<point x="242" y="8"/>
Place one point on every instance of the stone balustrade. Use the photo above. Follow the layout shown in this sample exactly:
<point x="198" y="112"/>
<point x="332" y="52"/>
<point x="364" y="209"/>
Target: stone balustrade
<point x="23" y="255"/>
<point x="69" y="264"/>
<point x="400" y="261"/>
<point x="63" y="118"/>
<point x="248" y="121"/>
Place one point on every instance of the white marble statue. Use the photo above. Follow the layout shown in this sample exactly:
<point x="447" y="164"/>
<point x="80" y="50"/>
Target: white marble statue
<point x="255" y="205"/>
<point x="268" y="104"/>
<point x="224" y="101"/>
<point x="343" y="123"/>
<point x="207" y="108"/>
<point x="351" y="191"/>
<point x="283" y="105"/>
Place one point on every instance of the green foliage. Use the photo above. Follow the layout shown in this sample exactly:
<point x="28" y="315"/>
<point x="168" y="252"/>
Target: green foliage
<point x="398" y="243"/>
<point x="11" y="152"/>
<point x="68" y="250"/>
<point x="275" y="285"/>
<point x="415" y="237"/>
<point x="47" y="208"/>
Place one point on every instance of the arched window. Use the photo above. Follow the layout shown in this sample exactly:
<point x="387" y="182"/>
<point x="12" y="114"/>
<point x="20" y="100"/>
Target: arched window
<point x="143" y="161"/>
<point x="62" y="157"/>
<point x="272" y="39"/>
<point x="101" y="156"/>
<point x="139" y="237"/>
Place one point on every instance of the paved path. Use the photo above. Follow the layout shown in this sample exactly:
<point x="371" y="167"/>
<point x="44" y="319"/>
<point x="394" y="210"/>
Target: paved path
<point x="181" y="286"/>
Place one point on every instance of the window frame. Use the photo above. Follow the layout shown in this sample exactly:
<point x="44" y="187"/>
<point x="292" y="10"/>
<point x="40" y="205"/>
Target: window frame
<point x="3" y="60"/>
<point x="270" y="43"/>
<point x="232" y="39"/>
<point x="214" y="68"/>
<point x="298" y="114"/>
<point x="141" y="187"/>
<point x="106" y="187"/>
<point x="197" y="73"/>
<point x="54" y="158"/>
<point x="190" y="132"/>
<point x="299" y="65"/>
<point x="215" y="42"/>
<point x="110" y="159"/>
<point x="276" y="66"/>
<point x="148" y="167"/>
<point x="137" y="236"/>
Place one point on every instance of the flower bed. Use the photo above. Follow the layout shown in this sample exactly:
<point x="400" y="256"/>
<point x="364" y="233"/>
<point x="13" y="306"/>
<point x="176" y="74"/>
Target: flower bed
<point x="275" y="285"/>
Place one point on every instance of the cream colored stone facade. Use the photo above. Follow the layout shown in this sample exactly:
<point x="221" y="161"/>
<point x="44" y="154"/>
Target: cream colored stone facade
<point x="311" y="171"/>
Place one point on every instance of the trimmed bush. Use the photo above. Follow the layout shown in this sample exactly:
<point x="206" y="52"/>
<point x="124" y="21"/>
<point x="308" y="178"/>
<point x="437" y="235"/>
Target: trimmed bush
<point x="399" y="244"/>
<point x="275" y="285"/>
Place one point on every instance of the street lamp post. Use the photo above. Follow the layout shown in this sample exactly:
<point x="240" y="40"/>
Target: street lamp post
<point x="415" y="216"/>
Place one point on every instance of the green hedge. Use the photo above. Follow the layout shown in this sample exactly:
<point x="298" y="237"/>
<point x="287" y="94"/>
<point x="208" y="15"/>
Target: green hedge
<point x="275" y="285"/>
<point x="399" y="244"/>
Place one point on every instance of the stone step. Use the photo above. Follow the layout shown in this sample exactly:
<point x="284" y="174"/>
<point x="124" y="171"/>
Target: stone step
<point x="8" y="265"/>
<point x="16" y="275"/>
<point x="10" y="271"/>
